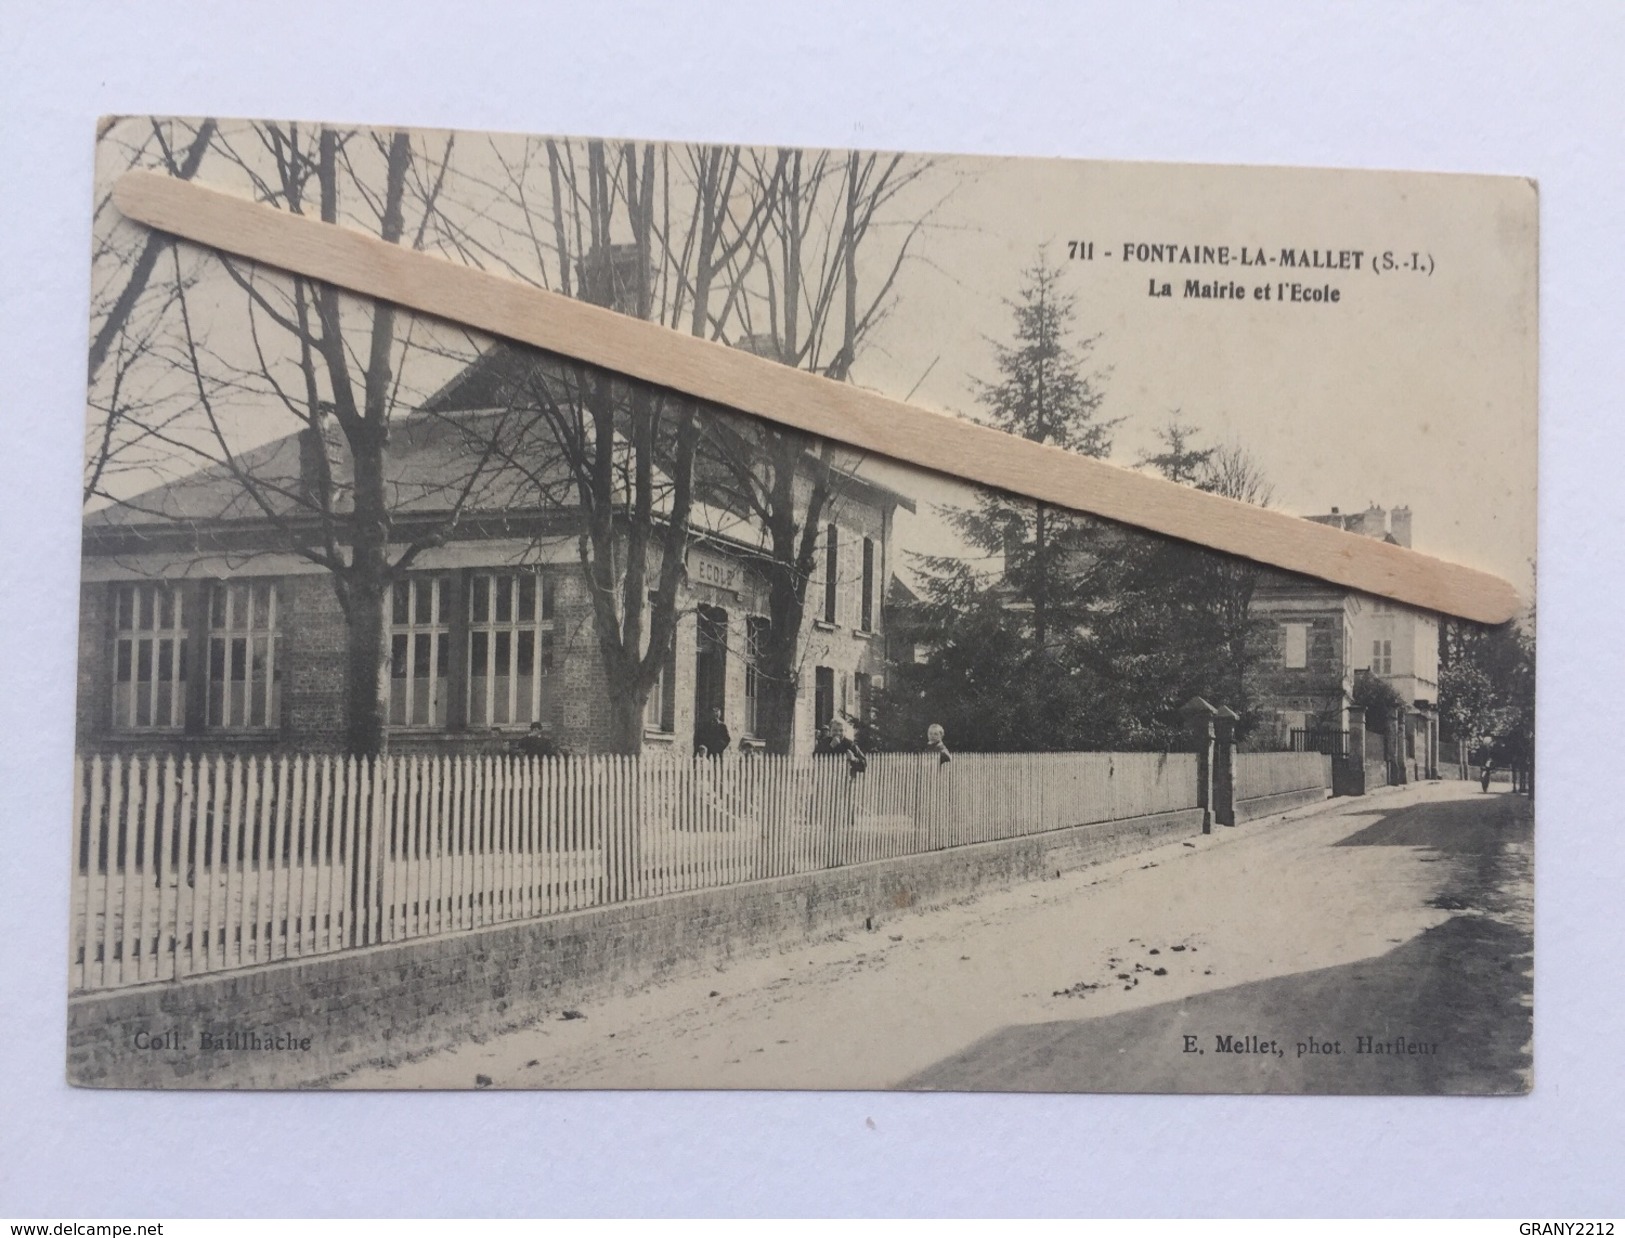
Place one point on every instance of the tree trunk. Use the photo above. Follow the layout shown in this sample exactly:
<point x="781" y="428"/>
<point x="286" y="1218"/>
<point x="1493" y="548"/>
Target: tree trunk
<point x="780" y="680"/>
<point x="366" y="647"/>
<point x="1040" y="580"/>
<point x="369" y="579"/>
<point x="623" y="850"/>
<point x="626" y="719"/>
<point x="367" y="594"/>
<point x="794" y="547"/>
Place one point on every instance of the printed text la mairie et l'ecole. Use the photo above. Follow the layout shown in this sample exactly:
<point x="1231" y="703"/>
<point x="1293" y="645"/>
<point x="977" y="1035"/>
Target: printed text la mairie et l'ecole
<point x="1256" y="258"/>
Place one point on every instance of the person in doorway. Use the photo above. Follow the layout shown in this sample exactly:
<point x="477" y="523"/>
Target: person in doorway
<point x="936" y="741"/>
<point x="536" y="742"/>
<point x="711" y="736"/>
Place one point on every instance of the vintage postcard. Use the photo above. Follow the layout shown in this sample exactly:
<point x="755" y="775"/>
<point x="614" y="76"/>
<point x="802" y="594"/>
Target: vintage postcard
<point x="455" y="714"/>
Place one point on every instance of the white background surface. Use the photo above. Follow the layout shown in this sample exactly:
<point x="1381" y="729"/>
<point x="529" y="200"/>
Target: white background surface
<point x="1512" y="88"/>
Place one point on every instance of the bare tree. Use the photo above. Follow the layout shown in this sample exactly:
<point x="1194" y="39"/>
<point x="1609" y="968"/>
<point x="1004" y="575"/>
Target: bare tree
<point x="125" y="321"/>
<point x="645" y="230"/>
<point x="811" y="309"/>
<point x="714" y="241"/>
<point x="333" y="365"/>
<point x="759" y="249"/>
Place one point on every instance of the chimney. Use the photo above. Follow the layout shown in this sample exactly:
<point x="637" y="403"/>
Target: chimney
<point x="315" y="456"/>
<point x="608" y="276"/>
<point x="1374" y="523"/>
<point x="1400" y="525"/>
<point x="762" y="344"/>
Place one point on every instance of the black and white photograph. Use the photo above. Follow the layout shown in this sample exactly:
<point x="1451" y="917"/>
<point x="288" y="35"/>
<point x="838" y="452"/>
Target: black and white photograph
<point x="457" y="714"/>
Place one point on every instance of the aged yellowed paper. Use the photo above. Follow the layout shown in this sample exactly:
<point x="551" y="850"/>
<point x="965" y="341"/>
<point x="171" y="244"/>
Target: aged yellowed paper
<point x="454" y="714"/>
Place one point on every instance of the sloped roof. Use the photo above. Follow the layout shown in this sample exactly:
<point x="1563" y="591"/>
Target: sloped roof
<point x="476" y="442"/>
<point x="898" y="593"/>
<point x="505" y="374"/>
<point x="431" y="460"/>
<point x="494" y="379"/>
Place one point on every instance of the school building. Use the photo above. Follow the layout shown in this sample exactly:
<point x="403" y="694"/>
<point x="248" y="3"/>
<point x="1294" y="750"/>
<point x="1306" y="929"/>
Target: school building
<point x="199" y="629"/>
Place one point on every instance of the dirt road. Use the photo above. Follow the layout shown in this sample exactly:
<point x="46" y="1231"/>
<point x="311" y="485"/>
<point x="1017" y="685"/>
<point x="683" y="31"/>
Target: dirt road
<point x="1371" y="945"/>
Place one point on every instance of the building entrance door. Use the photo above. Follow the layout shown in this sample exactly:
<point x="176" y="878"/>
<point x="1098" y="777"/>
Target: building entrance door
<point x="710" y="664"/>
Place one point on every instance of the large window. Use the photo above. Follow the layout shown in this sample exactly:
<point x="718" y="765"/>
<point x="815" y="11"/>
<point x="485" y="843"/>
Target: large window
<point x="236" y="621"/>
<point x="149" y="687"/>
<point x="420" y="652"/>
<point x="510" y="647"/>
<point x="244" y="677"/>
<point x="757" y="628"/>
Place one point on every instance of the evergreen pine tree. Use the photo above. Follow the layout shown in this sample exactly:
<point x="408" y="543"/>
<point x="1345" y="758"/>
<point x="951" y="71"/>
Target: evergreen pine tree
<point x="1042" y="394"/>
<point x="1004" y="672"/>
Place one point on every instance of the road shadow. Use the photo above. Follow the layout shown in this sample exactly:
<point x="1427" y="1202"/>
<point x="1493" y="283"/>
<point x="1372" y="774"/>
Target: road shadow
<point x="1448" y="1012"/>
<point x="1467" y="826"/>
<point x="1483" y="840"/>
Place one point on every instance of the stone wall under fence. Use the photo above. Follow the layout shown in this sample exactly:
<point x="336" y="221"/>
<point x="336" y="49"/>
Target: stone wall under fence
<point x="215" y="864"/>
<point x="1273" y="782"/>
<point x="352" y="912"/>
<point x="327" y="1014"/>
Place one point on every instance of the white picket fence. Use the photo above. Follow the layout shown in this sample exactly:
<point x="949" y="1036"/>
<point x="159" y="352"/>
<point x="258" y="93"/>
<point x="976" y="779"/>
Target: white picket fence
<point x="192" y="865"/>
<point x="1275" y="773"/>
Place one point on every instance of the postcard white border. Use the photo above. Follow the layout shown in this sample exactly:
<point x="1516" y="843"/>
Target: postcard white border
<point x="1508" y="89"/>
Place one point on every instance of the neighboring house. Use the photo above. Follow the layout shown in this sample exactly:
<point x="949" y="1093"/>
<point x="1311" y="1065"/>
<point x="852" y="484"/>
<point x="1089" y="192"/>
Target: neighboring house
<point x="1325" y="636"/>
<point x="199" y="629"/>
<point x="904" y="625"/>
<point x="1305" y="676"/>
<point x="844" y="639"/>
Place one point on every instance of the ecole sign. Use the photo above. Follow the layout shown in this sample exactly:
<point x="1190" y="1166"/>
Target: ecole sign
<point x="716" y="572"/>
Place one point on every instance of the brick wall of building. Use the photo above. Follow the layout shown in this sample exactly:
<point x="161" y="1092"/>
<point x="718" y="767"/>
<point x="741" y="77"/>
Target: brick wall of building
<point x="844" y="646"/>
<point x="576" y="700"/>
<point x="94" y="703"/>
<point x="313" y="636"/>
<point x="311" y="663"/>
<point x="1318" y="690"/>
<point x="386" y="1002"/>
<point x="580" y="697"/>
<point x="577" y="706"/>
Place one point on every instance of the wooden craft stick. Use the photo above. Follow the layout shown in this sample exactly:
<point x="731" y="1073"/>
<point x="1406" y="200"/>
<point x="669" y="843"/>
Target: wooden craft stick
<point x="738" y="380"/>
